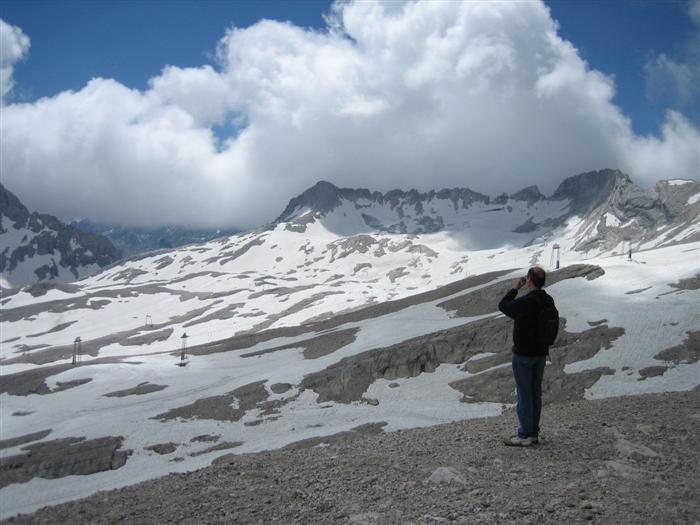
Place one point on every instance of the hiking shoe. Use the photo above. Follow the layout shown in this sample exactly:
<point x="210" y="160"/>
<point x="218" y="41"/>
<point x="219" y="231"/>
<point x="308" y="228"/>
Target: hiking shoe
<point x="517" y="441"/>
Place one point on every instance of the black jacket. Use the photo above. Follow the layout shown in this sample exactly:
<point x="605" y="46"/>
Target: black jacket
<point x="523" y="311"/>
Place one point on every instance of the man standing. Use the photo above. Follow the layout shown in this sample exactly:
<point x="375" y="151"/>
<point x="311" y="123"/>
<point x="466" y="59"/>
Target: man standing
<point x="529" y="353"/>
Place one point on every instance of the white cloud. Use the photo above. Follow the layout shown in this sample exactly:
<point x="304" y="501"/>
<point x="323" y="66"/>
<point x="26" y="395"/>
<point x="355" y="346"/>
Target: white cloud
<point x="428" y="95"/>
<point x="14" y="46"/>
<point x="677" y="151"/>
<point x="201" y="92"/>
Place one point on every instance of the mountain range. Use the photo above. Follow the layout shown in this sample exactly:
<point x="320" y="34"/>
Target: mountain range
<point x="606" y="205"/>
<point x="602" y="211"/>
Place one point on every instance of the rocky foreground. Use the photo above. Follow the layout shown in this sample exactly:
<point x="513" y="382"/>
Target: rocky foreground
<point x="620" y="460"/>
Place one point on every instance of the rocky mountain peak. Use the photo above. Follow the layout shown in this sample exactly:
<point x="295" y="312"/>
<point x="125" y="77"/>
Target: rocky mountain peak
<point x="12" y="208"/>
<point x="530" y="194"/>
<point x="587" y="191"/>
<point x="36" y="246"/>
<point x="322" y="197"/>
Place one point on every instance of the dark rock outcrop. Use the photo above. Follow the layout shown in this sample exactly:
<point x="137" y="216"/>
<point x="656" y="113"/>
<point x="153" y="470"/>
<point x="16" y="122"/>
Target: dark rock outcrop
<point x="21" y="440"/>
<point x="73" y="456"/>
<point x="348" y="379"/>
<point x="219" y="407"/>
<point x="530" y="194"/>
<point x="688" y="351"/>
<point x="139" y="390"/>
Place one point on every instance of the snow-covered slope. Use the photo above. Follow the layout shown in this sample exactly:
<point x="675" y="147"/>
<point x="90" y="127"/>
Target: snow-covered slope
<point x="38" y="247"/>
<point x="320" y="323"/>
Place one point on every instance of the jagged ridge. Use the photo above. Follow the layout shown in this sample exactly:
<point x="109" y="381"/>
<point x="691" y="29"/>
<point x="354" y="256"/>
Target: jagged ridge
<point x="27" y="236"/>
<point x="611" y="209"/>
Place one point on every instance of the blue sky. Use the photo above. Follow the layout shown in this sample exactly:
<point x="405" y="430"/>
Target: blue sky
<point x="616" y="86"/>
<point x="620" y="37"/>
<point x="131" y="41"/>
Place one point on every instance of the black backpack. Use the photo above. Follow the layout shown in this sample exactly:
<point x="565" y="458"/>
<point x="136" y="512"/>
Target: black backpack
<point x="547" y="321"/>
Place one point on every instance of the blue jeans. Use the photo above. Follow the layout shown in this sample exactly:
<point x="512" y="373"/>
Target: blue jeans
<point x="528" y="373"/>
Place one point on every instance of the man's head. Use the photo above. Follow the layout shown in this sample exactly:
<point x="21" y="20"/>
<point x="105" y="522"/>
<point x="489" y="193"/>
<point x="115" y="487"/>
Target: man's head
<point x="535" y="277"/>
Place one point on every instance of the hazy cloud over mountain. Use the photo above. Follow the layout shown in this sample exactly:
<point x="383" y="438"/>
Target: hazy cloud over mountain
<point x="424" y="95"/>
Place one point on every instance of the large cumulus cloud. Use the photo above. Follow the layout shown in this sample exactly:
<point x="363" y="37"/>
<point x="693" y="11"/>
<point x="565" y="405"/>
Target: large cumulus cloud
<point x="420" y="94"/>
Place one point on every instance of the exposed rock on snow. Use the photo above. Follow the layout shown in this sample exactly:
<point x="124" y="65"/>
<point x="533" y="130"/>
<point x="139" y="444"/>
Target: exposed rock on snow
<point x="691" y="283"/>
<point x="21" y="440"/>
<point x="219" y="446"/>
<point x="63" y="457"/>
<point x="315" y="347"/>
<point x="163" y="448"/>
<point x="220" y="408"/>
<point x="686" y="352"/>
<point x="139" y="390"/>
<point x="147" y="339"/>
<point x="348" y="379"/>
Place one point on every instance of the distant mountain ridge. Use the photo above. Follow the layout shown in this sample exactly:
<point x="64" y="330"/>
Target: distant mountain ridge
<point x="36" y="246"/>
<point x="133" y="240"/>
<point x="611" y="207"/>
<point x="586" y="191"/>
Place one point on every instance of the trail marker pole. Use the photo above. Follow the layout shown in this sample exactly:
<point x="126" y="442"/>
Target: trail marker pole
<point x="627" y="242"/>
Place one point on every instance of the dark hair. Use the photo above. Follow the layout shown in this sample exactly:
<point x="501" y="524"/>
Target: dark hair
<point x="537" y="276"/>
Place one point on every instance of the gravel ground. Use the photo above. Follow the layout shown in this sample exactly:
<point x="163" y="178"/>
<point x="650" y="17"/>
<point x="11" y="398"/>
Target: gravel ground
<point x="621" y="460"/>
